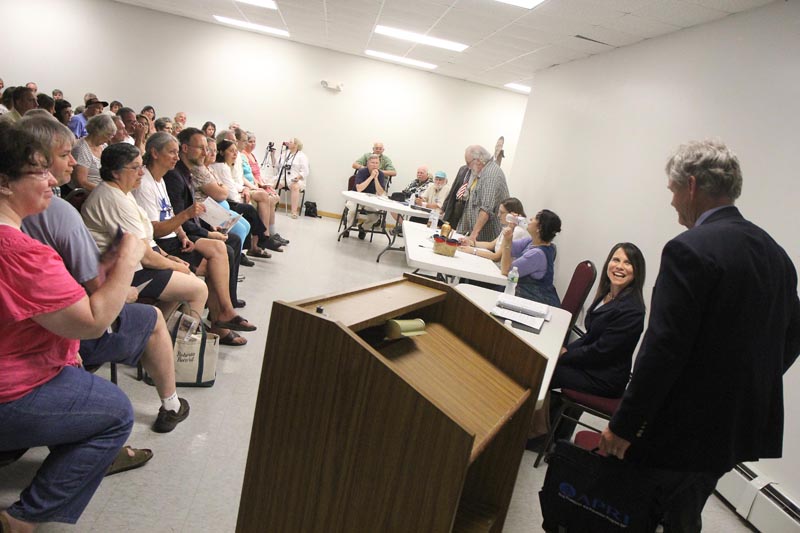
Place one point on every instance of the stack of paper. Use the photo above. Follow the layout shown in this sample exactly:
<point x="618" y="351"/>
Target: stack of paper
<point x="532" y="323"/>
<point x="524" y="306"/>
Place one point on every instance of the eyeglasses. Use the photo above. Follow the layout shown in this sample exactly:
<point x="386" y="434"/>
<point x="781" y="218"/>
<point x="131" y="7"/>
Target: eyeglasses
<point x="39" y="174"/>
<point x="201" y="148"/>
<point x="137" y="168"/>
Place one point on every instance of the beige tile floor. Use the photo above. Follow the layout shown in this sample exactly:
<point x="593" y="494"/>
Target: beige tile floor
<point x="193" y="482"/>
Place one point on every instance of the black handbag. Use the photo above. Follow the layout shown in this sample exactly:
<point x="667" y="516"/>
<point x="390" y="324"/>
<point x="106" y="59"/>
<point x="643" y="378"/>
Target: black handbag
<point x="587" y="492"/>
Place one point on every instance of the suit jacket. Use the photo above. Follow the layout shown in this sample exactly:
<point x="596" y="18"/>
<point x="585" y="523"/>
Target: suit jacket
<point x="606" y="350"/>
<point x="180" y="189"/>
<point x="452" y="213"/>
<point x="707" y="387"/>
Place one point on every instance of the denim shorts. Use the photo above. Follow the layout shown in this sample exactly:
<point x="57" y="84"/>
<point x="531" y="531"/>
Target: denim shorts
<point x="126" y="342"/>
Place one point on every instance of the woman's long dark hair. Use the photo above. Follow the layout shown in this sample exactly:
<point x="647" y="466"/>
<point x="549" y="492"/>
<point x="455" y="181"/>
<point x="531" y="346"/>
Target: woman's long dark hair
<point x="222" y="145"/>
<point x="636" y="258"/>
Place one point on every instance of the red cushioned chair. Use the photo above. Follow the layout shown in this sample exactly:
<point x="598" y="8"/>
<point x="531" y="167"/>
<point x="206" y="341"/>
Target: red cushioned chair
<point x="594" y="405"/>
<point x="579" y="286"/>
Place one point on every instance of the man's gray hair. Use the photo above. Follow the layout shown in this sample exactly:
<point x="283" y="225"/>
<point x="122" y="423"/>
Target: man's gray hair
<point x="713" y="165"/>
<point x="480" y="153"/>
<point x="47" y="130"/>
<point x="101" y="124"/>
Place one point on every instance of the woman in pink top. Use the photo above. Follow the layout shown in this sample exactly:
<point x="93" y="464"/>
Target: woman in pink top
<point x="46" y="399"/>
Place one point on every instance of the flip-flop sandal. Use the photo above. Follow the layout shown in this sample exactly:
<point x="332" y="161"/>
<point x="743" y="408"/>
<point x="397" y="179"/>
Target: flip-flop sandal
<point x="238" y="323"/>
<point x="124" y="462"/>
<point x="232" y="339"/>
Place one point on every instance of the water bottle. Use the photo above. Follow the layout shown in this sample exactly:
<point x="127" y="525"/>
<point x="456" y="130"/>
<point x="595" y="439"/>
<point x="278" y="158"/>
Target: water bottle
<point x="513" y="278"/>
<point x="412" y="198"/>
<point x="433" y="219"/>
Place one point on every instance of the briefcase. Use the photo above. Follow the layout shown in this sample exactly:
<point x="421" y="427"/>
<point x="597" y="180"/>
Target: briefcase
<point x="587" y="492"/>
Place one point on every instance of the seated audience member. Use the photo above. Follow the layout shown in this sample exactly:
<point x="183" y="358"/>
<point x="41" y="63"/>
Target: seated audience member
<point x="58" y="94"/>
<point x="164" y="124"/>
<point x="207" y="185"/>
<point x="87" y="151"/>
<point x="45" y="102"/>
<point x="150" y="113"/>
<point x="6" y="101"/>
<point x="180" y="118"/>
<point x="263" y="183"/>
<point x="120" y="136"/>
<point x="149" y="129"/>
<point x="420" y="184"/>
<point x="23" y="99"/>
<point x="209" y="128"/>
<point x="63" y="112"/>
<point x="180" y="187"/>
<point x="32" y="86"/>
<point x="599" y="363"/>
<point x="45" y="399"/>
<point x="371" y="180"/>
<point x="111" y="207"/>
<point x="294" y="163"/>
<point x="114" y="107"/>
<point x="136" y="131"/>
<point x="92" y="108"/>
<point x="534" y="256"/>
<point x="493" y="249"/>
<point x="239" y="196"/>
<point x="152" y="196"/>
<point x="139" y="333"/>
<point x="435" y="195"/>
<point x="384" y="163"/>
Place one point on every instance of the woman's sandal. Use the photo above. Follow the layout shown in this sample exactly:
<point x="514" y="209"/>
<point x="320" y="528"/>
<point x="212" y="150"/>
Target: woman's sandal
<point x="232" y="339"/>
<point x="237" y="322"/>
<point x="124" y="461"/>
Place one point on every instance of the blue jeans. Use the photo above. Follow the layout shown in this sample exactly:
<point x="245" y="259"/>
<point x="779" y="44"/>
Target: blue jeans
<point x="84" y="420"/>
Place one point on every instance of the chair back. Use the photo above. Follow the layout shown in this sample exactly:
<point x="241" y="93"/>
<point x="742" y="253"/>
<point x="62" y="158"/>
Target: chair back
<point x="578" y="289"/>
<point x="351" y="182"/>
<point x="76" y="197"/>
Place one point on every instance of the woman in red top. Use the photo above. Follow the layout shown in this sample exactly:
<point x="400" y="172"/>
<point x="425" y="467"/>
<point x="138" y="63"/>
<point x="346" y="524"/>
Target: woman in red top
<point x="45" y="398"/>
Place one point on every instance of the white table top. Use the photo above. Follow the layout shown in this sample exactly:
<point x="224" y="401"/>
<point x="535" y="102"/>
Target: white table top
<point x="419" y="254"/>
<point x="547" y="342"/>
<point x="383" y="203"/>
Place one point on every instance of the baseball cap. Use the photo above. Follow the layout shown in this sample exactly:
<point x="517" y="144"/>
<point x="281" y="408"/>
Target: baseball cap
<point x="440" y="174"/>
<point x="93" y="101"/>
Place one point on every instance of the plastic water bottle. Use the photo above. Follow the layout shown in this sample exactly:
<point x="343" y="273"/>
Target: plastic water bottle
<point x="513" y="278"/>
<point x="433" y="219"/>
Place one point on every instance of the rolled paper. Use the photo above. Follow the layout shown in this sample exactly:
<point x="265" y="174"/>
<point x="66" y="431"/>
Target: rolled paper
<point x="396" y="329"/>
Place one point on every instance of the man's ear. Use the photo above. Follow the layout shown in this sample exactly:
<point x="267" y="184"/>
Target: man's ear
<point x="691" y="184"/>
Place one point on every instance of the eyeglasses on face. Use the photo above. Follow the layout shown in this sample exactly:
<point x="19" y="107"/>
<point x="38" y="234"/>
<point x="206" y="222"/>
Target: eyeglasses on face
<point x="137" y="168"/>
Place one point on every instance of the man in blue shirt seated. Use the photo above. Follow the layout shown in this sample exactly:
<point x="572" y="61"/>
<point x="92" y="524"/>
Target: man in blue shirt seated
<point x="369" y="179"/>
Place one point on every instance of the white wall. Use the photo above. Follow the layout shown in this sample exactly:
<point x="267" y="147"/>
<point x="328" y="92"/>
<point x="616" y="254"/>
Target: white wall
<point x="598" y="132"/>
<point x="269" y="85"/>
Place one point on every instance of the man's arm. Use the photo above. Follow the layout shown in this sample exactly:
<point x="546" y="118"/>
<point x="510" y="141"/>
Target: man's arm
<point x="360" y="162"/>
<point x="480" y="222"/>
<point x="387" y="167"/>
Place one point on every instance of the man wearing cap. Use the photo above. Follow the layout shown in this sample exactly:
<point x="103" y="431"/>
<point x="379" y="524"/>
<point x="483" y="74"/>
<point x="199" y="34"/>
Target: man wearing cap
<point x="78" y="122"/>
<point x="435" y="195"/>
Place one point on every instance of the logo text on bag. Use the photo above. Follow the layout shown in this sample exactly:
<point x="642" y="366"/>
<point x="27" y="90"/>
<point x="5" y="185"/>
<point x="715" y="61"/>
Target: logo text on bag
<point x="594" y="504"/>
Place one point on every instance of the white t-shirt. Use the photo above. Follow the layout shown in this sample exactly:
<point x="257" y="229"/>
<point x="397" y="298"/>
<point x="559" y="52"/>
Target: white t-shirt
<point x="153" y="198"/>
<point x="223" y="173"/>
<point x="108" y="208"/>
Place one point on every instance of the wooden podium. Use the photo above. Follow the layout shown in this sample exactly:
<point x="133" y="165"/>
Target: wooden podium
<point x="354" y="433"/>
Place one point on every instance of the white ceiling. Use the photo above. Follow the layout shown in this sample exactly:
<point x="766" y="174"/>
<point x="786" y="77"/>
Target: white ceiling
<point x="506" y="43"/>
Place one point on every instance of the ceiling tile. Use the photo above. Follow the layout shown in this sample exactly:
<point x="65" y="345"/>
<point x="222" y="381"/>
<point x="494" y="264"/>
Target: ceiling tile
<point x="646" y="28"/>
<point x="678" y="13"/>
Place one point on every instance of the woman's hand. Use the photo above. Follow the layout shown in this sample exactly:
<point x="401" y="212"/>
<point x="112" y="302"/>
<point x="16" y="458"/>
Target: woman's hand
<point x="508" y="232"/>
<point x="217" y="236"/>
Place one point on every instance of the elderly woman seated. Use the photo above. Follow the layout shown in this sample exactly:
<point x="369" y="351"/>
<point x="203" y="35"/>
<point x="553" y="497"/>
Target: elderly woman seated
<point x="45" y="399"/>
<point x="87" y="152"/>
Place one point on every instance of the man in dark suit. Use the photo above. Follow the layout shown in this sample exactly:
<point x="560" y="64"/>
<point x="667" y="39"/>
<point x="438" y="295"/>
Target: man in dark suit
<point x="707" y="389"/>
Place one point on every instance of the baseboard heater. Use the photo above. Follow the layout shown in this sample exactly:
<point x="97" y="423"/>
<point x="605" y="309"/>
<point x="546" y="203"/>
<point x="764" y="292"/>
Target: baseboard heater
<point x="759" y="500"/>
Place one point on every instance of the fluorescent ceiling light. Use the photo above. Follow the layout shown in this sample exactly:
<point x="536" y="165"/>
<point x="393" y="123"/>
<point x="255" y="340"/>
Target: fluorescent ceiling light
<point x="529" y="4"/>
<point x="399" y="59"/>
<point x="251" y="26"/>
<point x="518" y="87"/>
<point x="419" y="38"/>
<point x="269" y="4"/>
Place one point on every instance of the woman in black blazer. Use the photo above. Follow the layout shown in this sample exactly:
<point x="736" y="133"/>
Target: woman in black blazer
<point x="599" y="363"/>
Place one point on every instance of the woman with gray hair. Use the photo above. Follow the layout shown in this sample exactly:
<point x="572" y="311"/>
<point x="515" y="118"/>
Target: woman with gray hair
<point x="87" y="152"/>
